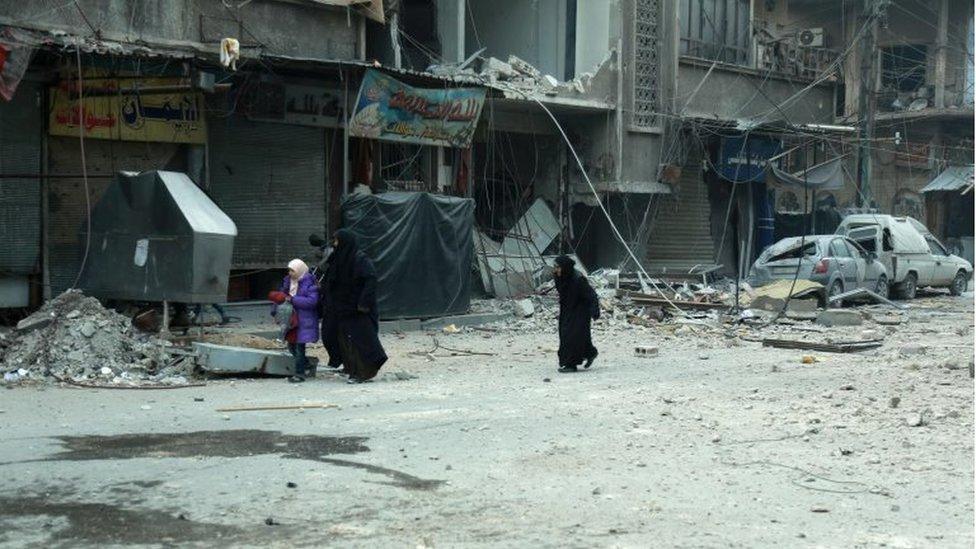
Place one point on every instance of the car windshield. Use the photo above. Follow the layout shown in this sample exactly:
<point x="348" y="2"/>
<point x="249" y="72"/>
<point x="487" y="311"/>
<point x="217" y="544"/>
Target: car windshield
<point x="935" y="247"/>
<point x="791" y="249"/>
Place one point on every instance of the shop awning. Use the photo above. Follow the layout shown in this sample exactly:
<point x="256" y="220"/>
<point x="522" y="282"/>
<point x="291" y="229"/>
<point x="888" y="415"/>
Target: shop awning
<point x="826" y="176"/>
<point x="954" y="178"/>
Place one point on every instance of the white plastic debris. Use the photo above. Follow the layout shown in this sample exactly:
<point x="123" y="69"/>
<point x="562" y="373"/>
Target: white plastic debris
<point x="230" y="52"/>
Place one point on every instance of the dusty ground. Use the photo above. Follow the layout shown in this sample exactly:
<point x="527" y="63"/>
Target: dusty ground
<point x="715" y="443"/>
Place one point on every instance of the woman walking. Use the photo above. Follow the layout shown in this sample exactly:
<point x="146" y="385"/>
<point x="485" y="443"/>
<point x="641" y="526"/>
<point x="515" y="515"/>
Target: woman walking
<point x="301" y="291"/>
<point x="351" y="286"/>
<point x="578" y="304"/>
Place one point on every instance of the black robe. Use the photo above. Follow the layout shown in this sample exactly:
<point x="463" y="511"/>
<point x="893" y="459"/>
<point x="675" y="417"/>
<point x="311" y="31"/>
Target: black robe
<point x="578" y="304"/>
<point x="351" y="323"/>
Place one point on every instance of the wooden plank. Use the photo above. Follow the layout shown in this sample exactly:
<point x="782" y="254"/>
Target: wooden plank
<point x="840" y="347"/>
<point x="277" y="407"/>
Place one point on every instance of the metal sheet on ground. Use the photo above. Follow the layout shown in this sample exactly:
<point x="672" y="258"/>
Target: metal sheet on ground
<point x="223" y="359"/>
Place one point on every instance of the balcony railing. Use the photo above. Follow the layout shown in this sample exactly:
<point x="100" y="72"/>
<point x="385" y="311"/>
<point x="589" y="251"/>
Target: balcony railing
<point x="709" y="51"/>
<point x="786" y="58"/>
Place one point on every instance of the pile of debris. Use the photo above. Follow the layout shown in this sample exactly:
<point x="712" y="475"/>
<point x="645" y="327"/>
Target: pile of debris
<point x="74" y="339"/>
<point x="519" y="265"/>
<point x="522" y="75"/>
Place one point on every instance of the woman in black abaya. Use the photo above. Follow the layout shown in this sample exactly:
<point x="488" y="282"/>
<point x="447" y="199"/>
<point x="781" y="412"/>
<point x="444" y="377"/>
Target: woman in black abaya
<point x="351" y="285"/>
<point x="578" y="304"/>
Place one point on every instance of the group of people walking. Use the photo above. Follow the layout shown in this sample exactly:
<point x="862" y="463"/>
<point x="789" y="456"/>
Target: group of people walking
<point x="341" y="305"/>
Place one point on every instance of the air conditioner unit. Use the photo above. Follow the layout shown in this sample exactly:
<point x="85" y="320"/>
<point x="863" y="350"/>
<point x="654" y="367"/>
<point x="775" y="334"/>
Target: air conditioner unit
<point x="811" y="38"/>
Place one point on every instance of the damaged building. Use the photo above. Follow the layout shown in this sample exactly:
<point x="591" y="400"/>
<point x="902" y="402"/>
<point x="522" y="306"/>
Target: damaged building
<point x="692" y="133"/>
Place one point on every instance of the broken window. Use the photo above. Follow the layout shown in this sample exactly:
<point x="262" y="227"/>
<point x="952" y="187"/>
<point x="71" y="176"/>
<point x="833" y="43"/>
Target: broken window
<point x="715" y="30"/>
<point x="793" y="250"/>
<point x="418" y="30"/>
<point x="866" y="237"/>
<point x="935" y="247"/>
<point x="903" y="67"/>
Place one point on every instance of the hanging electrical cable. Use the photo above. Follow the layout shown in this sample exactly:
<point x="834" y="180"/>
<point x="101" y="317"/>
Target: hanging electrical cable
<point x="84" y="171"/>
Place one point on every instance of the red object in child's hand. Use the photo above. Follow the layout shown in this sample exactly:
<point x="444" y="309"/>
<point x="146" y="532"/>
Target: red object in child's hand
<point x="277" y="297"/>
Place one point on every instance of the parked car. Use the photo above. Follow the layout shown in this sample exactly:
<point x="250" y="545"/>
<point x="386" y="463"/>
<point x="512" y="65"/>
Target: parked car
<point x="911" y="254"/>
<point x="832" y="260"/>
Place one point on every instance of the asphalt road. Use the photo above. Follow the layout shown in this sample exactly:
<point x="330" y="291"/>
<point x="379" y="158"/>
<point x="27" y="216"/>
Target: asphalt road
<point x="717" y="442"/>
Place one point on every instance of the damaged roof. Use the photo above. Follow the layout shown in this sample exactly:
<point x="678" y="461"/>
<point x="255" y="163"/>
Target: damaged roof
<point x="954" y="178"/>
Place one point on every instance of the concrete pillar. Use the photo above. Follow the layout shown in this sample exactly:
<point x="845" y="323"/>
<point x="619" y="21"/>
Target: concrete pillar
<point x="941" y="39"/>
<point x="451" y="21"/>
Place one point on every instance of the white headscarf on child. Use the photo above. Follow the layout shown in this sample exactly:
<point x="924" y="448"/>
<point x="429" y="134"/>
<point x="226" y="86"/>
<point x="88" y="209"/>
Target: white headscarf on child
<point x="300" y="269"/>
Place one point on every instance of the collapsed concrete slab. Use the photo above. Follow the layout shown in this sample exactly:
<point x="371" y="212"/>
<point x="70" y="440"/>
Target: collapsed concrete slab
<point x="224" y="359"/>
<point x="839" y="317"/>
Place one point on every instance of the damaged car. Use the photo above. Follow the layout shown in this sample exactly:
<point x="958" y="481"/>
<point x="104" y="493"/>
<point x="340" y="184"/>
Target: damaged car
<point x="913" y="257"/>
<point x="834" y="261"/>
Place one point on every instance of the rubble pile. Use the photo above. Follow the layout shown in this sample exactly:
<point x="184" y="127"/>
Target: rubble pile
<point x="522" y="75"/>
<point x="73" y="338"/>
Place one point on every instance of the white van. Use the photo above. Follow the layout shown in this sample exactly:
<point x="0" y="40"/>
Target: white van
<point x="913" y="257"/>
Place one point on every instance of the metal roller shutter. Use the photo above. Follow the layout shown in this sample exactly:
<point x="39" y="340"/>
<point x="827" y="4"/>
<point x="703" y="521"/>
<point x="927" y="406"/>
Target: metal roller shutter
<point x="681" y="235"/>
<point x="20" y="199"/>
<point x="270" y="179"/>
<point x="67" y="207"/>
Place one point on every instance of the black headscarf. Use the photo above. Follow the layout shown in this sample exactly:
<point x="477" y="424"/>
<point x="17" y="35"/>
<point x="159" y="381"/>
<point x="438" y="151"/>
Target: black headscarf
<point x="568" y="268"/>
<point x="342" y="262"/>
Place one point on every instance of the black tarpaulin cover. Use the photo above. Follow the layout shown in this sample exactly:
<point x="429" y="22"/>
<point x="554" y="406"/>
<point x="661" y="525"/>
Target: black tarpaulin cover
<point x="422" y="247"/>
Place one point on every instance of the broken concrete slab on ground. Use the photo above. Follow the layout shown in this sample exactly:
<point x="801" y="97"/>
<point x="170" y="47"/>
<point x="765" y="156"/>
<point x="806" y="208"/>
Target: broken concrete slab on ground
<point x="839" y="317"/>
<point x="225" y="359"/>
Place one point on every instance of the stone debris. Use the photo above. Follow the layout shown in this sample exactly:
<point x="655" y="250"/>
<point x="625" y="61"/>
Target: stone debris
<point x="645" y="351"/>
<point x="524" y="308"/>
<point x="839" y="317"/>
<point x="74" y="338"/>
<point x="915" y="420"/>
<point x="912" y="349"/>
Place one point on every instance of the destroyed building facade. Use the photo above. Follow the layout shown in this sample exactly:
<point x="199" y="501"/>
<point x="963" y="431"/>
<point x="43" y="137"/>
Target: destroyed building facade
<point x="667" y="114"/>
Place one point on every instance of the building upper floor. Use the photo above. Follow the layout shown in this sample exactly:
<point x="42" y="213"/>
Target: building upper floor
<point x="721" y="59"/>
<point x="922" y="49"/>
<point x="308" y="29"/>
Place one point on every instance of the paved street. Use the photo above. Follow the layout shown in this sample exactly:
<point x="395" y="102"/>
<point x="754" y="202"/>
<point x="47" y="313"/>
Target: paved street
<point x="715" y="443"/>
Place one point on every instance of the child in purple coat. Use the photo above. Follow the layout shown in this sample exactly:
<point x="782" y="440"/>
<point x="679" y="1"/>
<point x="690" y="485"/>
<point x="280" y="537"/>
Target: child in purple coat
<point x="302" y="292"/>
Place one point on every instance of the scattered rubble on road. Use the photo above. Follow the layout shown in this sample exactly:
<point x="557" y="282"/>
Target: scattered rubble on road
<point x="74" y="339"/>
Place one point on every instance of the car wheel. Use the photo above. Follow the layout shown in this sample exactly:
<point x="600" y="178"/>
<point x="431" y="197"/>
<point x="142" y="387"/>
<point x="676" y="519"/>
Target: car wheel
<point x="882" y="288"/>
<point x="959" y="283"/>
<point x="909" y="287"/>
<point x="836" y="288"/>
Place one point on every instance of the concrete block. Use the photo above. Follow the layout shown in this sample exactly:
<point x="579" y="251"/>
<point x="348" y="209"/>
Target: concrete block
<point x="499" y="68"/>
<point x="524" y="308"/>
<point x="839" y="317"/>
<point x="34" y="322"/>
<point x="523" y="67"/>
<point x="913" y="349"/>
<point x="223" y="359"/>
<point x="871" y="334"/>
<point x="645" y="351"/>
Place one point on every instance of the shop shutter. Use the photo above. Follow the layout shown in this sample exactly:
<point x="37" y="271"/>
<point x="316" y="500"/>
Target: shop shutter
<point x="270" y="179"/>
<point x="681" y="235"/>
<point x="20" y="199"/>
